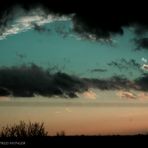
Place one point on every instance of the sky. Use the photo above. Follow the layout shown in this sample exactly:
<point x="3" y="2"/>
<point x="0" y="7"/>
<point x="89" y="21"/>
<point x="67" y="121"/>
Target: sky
<point x="74" y="72"/>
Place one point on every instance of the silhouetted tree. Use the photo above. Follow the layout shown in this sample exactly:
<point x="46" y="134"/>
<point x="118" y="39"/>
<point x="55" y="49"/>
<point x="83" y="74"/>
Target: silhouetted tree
<point x="24" y="130"/>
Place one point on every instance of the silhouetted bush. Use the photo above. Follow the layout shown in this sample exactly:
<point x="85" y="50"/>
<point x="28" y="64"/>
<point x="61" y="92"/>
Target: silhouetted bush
<point x="24" y="130"/>
<point x="62" y="133"/>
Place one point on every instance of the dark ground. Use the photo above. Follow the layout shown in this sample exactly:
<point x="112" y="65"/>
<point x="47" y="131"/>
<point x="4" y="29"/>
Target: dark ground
<point x="75" y="141"/>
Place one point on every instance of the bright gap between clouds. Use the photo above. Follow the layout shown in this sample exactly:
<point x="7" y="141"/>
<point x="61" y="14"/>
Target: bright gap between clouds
<point x="90" y="98"/>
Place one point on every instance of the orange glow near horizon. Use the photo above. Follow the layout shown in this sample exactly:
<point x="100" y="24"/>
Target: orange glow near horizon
<point x="81" y="120"/>
<point x="97" y="115"/>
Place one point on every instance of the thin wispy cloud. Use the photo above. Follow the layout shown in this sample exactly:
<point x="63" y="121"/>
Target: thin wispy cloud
<point x="21" y="20"/>
<point x="90" y="95"/>
<point x="126" y="94"/>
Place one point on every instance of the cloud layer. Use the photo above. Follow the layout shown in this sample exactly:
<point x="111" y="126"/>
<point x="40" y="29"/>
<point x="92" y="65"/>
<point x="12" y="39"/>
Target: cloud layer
<point x="28" y="81"/>
<point x="101" y="22"/>
<point x="91" y="23"/>
<point x="141" y="43"/>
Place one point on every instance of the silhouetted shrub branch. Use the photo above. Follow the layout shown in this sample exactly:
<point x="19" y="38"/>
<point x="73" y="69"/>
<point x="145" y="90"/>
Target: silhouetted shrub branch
<point x="24" y="130"/>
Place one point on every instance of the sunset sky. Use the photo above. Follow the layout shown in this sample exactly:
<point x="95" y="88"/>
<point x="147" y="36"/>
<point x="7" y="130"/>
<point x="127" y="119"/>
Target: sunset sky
<point x="72" y="75"/>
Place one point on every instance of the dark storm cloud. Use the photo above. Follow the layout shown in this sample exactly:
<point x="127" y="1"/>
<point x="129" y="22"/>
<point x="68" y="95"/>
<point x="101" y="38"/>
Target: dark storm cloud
<point x="100" y="21"/>
<point x="26" y="81"/>
<point x="113" y="83"/>
<point x="141" y="43"/>
<point x="98" y="27"/>
<point x="141" y="40"/>
<point x="140" y="30"/>
<point x="4" y="92"/>
<point x="142" y="82"/>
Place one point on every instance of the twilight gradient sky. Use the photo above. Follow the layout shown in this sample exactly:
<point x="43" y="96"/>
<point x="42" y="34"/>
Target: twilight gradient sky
<point x="51" y="43"/>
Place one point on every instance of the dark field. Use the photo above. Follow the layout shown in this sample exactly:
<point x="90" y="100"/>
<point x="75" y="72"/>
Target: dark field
<point x="77" y="141"/>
